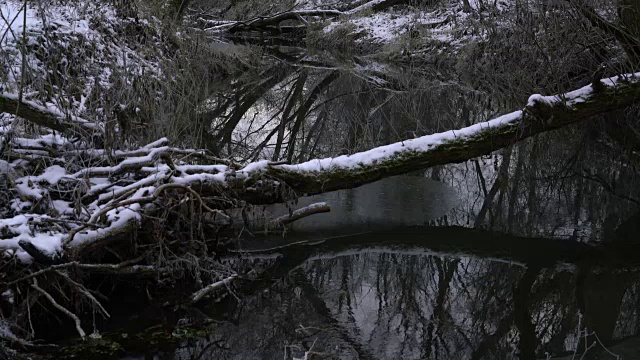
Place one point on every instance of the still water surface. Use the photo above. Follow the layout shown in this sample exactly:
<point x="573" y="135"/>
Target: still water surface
<point x="384" y="282"/>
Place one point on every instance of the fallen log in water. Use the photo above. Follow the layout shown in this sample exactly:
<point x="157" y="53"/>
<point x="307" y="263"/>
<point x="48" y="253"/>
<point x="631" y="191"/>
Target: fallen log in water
<point x="102" y="201"/>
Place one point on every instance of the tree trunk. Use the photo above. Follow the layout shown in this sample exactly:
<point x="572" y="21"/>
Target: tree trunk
<point x="174" y="11"/>
<point x="46" y="117"/>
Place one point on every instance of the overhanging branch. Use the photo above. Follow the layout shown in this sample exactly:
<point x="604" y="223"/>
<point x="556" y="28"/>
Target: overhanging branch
<point x="541" y="114"/>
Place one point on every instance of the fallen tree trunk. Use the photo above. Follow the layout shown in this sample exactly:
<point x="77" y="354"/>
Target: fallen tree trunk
<point x="458" y="241"/>
<point x="541" y="114"/>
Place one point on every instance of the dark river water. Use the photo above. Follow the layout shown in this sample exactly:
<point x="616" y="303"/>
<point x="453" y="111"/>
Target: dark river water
<point x="390" y="275"/>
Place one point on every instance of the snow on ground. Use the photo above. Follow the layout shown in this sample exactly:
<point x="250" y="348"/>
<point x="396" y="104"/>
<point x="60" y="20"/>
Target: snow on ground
<point x="319" y="4"/>
<point x="63" y="20"/>
<point x="13" y="19"/>
<point x="387" y="27"/>
<point x="85" y="39"/>
<point x="74" y="49"/>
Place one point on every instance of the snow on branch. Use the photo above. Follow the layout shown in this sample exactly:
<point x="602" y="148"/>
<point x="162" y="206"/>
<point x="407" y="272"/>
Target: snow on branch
<point x="46" y="117"/>
<point x="79" y="201"/>
<point x="541" y="114"/>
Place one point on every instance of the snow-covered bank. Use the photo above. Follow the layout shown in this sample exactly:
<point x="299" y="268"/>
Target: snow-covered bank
<point x="74" y="49"/>
<point x="389" y="27"/>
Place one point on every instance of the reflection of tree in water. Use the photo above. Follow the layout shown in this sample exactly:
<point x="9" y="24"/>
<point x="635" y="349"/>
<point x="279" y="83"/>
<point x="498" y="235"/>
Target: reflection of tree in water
<point x="391" y="304"/>
<point x="440" y="307"/>
<point x="566" y="184"/>
<point x="576" y="183"/>
<point x="419" y="306"/>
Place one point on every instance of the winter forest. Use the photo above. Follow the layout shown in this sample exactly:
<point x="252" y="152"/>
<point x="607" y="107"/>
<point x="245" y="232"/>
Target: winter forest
<point x="319" y="179"/>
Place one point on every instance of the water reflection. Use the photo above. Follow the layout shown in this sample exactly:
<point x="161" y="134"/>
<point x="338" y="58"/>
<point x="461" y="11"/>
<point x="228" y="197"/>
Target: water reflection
<point x="443" y="294"/>
<point x="408" y="301"/>
<point x="392" y="202"/>
<point x="558" y="185"/>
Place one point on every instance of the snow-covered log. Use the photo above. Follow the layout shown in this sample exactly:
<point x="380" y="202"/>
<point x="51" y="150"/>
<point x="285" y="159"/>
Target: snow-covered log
<point x="46" y="117"/>
<point x="541" y="114"/>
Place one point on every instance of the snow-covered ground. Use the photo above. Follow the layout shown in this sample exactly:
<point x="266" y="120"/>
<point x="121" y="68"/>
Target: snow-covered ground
<point x="73" y="51"/>
<point x="443" y="24"/>
<point x="13" y="19"/>
<point x="385" y="27"/>
<point x="72" y="45"/>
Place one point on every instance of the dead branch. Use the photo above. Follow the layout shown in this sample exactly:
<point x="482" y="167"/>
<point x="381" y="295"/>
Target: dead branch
<point x="198" y="295"/>
<point x="301" y="213"/>
<point x="149" y="199"/>
<point x="53" y="302"/>
<point x="83" y="290"/>
<point x="79" y="265"/>
<point x="45" y="117"/>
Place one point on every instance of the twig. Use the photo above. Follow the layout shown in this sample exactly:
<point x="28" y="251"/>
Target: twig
<point x="79" y="265"/>
<point x="86" y="293"/>
<point x="152" y="198"/>
<point x="198" y="295"/>
<point x="53" y="302"/>
<point x="301" y="213"/>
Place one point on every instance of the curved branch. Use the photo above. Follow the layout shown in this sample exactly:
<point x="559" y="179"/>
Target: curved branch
<point x="198" y="295"/>
<point x="316" y="208"/>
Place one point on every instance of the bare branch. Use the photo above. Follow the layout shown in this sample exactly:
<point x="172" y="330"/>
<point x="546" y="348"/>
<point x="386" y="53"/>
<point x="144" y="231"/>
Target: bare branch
<point x="198" y="295"/>
<point x="53" y="302"/>
<point x="301" y="213"/>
